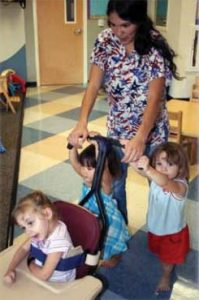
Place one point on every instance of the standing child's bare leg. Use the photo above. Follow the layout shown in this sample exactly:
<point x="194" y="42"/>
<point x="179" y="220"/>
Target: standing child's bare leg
<point x="164" y="283"/>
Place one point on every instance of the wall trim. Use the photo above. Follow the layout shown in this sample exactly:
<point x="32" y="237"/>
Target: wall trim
<point x="31" y="84"/>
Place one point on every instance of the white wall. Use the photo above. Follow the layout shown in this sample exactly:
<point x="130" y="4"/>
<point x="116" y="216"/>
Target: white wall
<point x="180" y="21"/>
<point x="17" y="49"/>
<point x="12" y="34"/>
<point x="182" y="89"/>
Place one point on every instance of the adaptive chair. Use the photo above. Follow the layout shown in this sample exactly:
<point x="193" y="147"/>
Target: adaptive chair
<point x="87" y="232"/>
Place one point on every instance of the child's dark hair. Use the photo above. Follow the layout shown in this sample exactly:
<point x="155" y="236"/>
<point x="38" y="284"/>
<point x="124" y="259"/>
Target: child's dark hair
<point x="176" y="155"/>
<point x="35" y="201"/>
<point x="135" y="11"/>
<point x="88" y="158"/>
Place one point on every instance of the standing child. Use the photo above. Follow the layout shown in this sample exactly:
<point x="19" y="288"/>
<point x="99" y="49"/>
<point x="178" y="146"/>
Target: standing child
<point x="168" y="234"/>
<point x="37" y="216"/>
<point x="117" y="233"/>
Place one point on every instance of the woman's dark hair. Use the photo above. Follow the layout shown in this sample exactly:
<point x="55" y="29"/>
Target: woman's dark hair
<point x="175" y="155"/>
<point x="88" y="158"/>
<point x="146" y="36"/>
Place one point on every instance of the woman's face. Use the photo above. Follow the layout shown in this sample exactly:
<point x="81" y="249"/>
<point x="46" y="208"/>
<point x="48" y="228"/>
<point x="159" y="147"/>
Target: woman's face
<point x="123" y="29"/>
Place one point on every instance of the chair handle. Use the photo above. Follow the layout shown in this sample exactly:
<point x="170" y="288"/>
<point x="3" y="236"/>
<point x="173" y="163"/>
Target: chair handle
<point x="100" y="139"/>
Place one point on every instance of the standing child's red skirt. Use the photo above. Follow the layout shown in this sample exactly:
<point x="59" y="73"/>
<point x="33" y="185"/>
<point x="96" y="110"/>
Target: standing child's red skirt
<point x="171" y="248"/>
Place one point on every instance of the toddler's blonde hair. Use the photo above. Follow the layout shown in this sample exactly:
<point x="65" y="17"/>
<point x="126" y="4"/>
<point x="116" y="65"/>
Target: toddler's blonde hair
<point x="35" y="201"/>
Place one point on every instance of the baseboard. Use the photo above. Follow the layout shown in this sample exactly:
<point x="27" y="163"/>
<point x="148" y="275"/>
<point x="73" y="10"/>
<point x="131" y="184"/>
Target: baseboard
<point x="183" y="99"/>
<point x="31" y="84"/>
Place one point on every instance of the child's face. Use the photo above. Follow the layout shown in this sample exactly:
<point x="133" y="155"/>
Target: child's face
<point x="87" y="175"/>
<point x="163" y="166"/>
<point x="35" y="224"/>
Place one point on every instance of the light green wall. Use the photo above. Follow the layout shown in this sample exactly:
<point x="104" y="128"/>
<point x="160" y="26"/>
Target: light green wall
<point x="92" y="31"/>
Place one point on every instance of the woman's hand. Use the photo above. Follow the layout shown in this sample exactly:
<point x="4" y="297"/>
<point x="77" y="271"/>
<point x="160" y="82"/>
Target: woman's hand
<point x="10" y="277"/>
<point x="133" y="149"/>
<point x="78" y="135"/>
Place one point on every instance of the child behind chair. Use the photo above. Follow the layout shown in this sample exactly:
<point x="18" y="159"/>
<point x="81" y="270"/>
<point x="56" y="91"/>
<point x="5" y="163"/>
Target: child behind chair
<point x="117" y="233"/>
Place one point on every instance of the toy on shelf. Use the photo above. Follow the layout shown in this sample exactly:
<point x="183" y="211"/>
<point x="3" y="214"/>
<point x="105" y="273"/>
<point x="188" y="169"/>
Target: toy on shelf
<point x="2" y="148"/>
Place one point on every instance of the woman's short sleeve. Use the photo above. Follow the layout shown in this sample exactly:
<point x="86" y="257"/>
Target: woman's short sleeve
<point x="99" y="54"/>
<point x="158" y="67"/>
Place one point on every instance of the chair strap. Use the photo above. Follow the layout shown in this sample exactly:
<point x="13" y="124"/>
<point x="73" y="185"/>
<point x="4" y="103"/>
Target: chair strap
<point x="64" y="264"/>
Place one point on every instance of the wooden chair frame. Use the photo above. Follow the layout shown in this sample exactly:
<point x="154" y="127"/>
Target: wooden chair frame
<point x="175" y="135"/>
<point x="175" y="122"/>
<point x="7" y="100"/>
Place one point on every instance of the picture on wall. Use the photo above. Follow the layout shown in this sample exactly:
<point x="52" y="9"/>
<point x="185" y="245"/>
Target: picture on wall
<point x="161" y="7"/>
<point x="97" y="8"/>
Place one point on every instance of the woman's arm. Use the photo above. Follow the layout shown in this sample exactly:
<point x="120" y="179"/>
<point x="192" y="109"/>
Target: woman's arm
<point x="20" y="254"/>
<point x="44" y="272"/>
<point x="94" y="84"/>
<point x="135" y="147"/>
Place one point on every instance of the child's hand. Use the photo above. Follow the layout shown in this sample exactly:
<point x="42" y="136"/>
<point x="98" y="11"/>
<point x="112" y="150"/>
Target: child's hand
<point x="93" y="133"/>
<point x="143" y="163"/>
<point x="10" y="277"/>
<point x="94" y="142"/>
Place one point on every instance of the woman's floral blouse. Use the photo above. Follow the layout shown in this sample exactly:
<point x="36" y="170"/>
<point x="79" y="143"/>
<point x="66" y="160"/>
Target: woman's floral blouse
<point x="127" y="79"/>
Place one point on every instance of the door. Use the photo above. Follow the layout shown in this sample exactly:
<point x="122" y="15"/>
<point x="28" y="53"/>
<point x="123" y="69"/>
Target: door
<point x="60" y="41"/>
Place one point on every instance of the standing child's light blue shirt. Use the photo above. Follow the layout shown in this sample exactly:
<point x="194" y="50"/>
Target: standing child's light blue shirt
<point x="166" y="213"/>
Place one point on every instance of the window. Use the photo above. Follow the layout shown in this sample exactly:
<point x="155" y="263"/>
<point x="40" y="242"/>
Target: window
<point x="195" y="53"/>
<point x="97" y="8"/>
<point x="194" y="61"/>
<point x="70" y="11"/>
<point x="161" y="12"/>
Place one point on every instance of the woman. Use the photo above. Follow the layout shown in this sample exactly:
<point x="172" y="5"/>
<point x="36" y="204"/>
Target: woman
<point x="136" y="64"/>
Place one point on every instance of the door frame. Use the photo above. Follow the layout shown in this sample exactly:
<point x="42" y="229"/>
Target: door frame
<point x="85" y="14"/>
